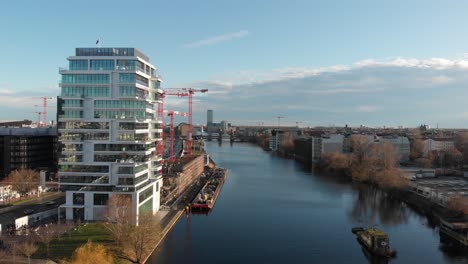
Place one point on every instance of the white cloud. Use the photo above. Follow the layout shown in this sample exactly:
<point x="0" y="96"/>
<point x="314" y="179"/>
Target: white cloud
<point x="411" y="91"/>
<point x="441" y="80"/>
<point x="367" y="108"/>
<point x="217" y="39"/>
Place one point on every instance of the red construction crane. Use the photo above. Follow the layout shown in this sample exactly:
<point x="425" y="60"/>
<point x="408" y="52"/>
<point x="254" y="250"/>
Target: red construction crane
<point x="44" y="104"/>
<point x="171" y="115"/>
<point x="182" y="92"/>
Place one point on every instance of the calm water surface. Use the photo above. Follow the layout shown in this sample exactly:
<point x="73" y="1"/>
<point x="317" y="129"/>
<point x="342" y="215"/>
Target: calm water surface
<point x="272" y="211"/>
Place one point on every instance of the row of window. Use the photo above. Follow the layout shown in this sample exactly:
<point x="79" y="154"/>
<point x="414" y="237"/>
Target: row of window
<point x="107" y="65"/>
<point x="81" y="91"/>
<point x="84" y="179"/>
<point x="72" y="103"/>
<point x="133" y="126"/>
<point x="83" y="125"/>
<point x="70" y="136"/>
<point x="85" y="78"/>
<point x="84" y="168"/>
<point x="99" y="198"/>
<point x="132" y="181"/>
<point x="71" y="158"/>
<point x="123" y="147"/>
<point x="72" y="147"/>
<point x="120" y="114"/>
<point x="72" y="114"/>
<point x="132" y="170"/>
<point x="132" y="137"/>
<point x="118" y="158"/>
<point x="127" y="104"/>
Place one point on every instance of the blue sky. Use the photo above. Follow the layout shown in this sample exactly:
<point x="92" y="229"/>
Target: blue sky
<point x="320" y="62"/>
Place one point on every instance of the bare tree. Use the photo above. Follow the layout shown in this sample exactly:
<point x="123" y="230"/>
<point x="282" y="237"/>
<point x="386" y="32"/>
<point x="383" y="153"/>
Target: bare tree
<point x="458" y="203"/>
<point x="142" y="238"/>
<point x="27" y="248"/>
<point x="135" y="242"/>
<point x="337" y="161"/>
<point x="46" y="234"/>
<point x="287" y="142"/>
<point x="23" y="181"/>
<point x="416" y="147"/>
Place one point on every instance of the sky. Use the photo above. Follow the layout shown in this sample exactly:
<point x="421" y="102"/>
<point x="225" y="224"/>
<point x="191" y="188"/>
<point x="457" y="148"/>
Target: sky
<point x="374" y="63"/>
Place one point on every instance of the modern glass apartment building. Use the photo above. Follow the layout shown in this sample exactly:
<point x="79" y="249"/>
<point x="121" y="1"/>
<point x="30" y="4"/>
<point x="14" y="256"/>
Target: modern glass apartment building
<point x="109" y="131"/>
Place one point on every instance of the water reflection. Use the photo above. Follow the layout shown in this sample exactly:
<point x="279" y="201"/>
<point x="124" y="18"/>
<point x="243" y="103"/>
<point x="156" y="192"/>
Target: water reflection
<point x="374" y="207"/>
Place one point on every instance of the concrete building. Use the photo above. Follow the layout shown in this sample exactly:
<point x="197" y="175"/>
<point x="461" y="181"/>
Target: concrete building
<point x="326" y="144"/>
<point x="438" y="145"/>
<point x="275" y="139"/>
<point x="109" y="131"/>
<point x="28" y="148"/>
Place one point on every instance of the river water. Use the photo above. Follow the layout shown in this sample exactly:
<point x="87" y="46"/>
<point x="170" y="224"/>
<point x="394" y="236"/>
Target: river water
<point x="271" y="210"/>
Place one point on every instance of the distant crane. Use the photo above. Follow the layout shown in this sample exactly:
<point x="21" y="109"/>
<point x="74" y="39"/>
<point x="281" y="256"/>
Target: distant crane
<point x="279" y="117"/>
<point x="182" y="92"/>
<point x="44" y="104"/>
<point x="171" y="147"/>
<point x="38" y="118"/>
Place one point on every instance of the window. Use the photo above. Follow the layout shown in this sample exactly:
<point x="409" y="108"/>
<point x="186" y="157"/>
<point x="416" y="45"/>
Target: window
<point x="78" y="65"/>
<point x="101" y="198"/>
<point x="107" y="65"/>
<point x="127" y="78"/>
<point x="78" y="198"/>
<point x="85" y="78"/>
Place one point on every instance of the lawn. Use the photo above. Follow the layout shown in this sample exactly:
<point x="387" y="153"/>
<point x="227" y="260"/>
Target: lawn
<point x="65" y="246"/>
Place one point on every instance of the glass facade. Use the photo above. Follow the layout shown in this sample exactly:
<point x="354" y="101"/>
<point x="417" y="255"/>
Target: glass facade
<point x="85" y="78"/>
<point x="100" y="65"/>
<point x="72" y="103"/>
<point x="120" y="114"/>
<point x="82" y="91"/>
<point x="124" y="104"/>
<point x="83" y="125"/>
<point x="78" y="65"/>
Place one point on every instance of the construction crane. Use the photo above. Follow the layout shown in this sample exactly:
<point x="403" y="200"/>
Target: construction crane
<point x="171" y="114"/>
<point x="38" y="118"/>
<point x="279" y="117"/>
<point x="182" y="92"/>
<point x="44" y="105"/>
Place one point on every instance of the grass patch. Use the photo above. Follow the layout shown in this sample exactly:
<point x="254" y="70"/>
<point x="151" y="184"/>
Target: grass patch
<point x="30" y="199"/>
<point x="64" y="247"/>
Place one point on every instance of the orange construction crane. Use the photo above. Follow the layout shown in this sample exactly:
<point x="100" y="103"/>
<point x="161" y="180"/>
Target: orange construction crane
<point x="182" y="92"/>
<point x="171" y="115"/>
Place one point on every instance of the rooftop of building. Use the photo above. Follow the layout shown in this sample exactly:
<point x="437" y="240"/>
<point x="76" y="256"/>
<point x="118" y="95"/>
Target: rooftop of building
<point x="111" y="52"/>
<point x="28" y="131"/>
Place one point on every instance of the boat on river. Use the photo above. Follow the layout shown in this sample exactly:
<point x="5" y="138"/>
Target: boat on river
<point x="375" y="241"/>
<point x="206" y="198"/>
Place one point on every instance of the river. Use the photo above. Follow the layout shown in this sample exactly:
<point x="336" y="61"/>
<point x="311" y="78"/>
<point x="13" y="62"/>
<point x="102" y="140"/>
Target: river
<point x="271" y="210"/>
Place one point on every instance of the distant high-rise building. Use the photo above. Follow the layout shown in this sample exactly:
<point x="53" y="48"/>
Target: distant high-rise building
<point x="209" y="117"/>
<point x="108" y="129"/>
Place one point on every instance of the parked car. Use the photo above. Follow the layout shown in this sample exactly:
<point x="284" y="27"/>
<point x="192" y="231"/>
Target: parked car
<point x="28" y="211"/>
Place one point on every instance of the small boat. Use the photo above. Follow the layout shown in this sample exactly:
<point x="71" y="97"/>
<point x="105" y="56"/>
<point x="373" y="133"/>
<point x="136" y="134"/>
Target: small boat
<point x="206" y="198"/>
<point x="375" y="241"/>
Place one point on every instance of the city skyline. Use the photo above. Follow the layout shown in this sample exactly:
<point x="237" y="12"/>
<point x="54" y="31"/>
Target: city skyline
<point x="357" y="63"/>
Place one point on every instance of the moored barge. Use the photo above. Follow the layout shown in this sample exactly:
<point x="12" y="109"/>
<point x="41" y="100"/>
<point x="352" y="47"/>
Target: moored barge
<point x="375" y="241"/>
<point x="206" y="198"/>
